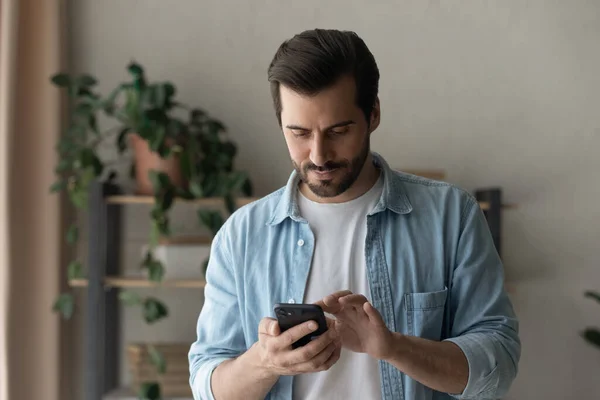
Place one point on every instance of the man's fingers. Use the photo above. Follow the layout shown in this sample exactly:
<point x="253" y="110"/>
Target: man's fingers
<point x="335" y="356"/>
<point x="313" y="348"/>
<point x="318" y="363"/>
<point x="330" y="303"/>
<point x="356" y="300"/>
<point x="373" y="314"/>
<point x="292" y="335"/>
<point x="268" y="326"/>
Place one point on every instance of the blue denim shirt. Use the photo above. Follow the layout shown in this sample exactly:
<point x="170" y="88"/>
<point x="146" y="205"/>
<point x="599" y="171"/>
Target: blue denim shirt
<point x="432" y="268"/>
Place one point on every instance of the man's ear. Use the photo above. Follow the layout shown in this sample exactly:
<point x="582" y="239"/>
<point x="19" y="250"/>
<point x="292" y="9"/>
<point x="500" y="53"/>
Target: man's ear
<point x="375" y="116"/>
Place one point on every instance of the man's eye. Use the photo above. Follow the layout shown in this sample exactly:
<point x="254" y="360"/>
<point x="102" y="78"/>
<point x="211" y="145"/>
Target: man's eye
<point x="340" y="131"/>
<point x="300" y="134"/>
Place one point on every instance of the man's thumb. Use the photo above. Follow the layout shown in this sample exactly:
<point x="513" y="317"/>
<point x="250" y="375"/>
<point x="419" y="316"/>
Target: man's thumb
<point x="274" y="328"/>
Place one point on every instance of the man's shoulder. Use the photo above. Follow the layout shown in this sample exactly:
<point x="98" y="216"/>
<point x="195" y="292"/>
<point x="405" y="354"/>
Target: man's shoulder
<point x="430" y="193"/>
<point x="256" y="213"/>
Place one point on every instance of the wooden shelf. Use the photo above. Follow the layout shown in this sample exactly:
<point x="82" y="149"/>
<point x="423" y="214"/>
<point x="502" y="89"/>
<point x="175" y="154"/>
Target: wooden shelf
<point x="128" y="394"/>
<point x="486" y="206"/>
<point x="124" y="282"/>
<point x="206" y="202"/>
<point x="185" y="240"/>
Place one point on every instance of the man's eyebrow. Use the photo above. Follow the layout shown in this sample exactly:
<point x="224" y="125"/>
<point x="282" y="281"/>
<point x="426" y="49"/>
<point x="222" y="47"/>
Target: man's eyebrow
<point x="336" y="125"/>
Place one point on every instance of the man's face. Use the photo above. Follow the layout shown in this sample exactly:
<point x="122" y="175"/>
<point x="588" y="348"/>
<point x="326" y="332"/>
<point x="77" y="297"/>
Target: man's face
<point x="327" y="136"/>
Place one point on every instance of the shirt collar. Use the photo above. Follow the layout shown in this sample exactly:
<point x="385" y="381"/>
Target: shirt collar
<point x="393" y="196"/>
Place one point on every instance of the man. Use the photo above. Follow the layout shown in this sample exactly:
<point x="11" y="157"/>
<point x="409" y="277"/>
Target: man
<point x="404" y="266"/>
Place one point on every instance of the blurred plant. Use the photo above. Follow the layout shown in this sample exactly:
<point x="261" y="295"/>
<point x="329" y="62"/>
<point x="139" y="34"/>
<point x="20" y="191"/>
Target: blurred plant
<point x="170" y="128"/>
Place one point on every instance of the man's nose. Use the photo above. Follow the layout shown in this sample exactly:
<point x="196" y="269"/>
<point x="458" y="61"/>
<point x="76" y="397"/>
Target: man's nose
<point x="319" y="151"/>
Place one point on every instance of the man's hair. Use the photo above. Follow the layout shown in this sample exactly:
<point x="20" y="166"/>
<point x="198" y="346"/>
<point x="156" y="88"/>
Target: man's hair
<point x="315" y="59"/>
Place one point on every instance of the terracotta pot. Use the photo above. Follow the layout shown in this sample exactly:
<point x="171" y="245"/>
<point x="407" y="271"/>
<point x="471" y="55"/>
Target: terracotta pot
<point x="146" y="159"/>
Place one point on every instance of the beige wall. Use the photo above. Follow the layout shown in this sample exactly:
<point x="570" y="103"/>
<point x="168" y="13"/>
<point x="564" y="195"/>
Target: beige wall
<point x="497" y="93"/>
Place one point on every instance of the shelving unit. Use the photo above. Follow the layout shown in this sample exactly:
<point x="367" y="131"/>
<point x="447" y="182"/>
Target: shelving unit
<point x="102" y="342"/>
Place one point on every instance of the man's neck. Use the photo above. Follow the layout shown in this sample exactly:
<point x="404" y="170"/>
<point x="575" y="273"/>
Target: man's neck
<point x="366" y="179"/>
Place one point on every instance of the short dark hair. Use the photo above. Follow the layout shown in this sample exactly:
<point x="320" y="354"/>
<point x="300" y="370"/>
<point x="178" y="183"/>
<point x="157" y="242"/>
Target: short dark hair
<point x="315" y="59"/>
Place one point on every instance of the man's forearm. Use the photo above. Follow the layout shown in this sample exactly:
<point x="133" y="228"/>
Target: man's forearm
<point x="241" y="378"/>
<point x="441" y="366"/>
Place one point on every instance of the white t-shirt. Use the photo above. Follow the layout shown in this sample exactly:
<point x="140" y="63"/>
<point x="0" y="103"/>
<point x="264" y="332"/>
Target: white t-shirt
<point x="338" y="264"/>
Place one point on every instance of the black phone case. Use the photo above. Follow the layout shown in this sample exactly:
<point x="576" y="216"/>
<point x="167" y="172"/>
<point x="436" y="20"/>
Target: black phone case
<point x="289" y="315"/>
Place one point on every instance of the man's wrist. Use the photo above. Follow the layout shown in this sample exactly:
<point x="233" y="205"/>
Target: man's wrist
<point x="396" y="349"/>
<point x="252" y="361"/>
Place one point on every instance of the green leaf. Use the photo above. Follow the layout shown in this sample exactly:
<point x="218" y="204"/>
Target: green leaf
<point x="61" y="80"/>
<point x="229" y="204"/>
<point x="157" y="359"/>
<point x="593" y="295"/>
<point x="75" y="270"/>
<point x="72" y="233"/>
<point x="197" y="114"/>
<point x="87" y="80"/>
<point x="130" y="298"/>
<point x="166" y="200"/>
<point x="158" y="141"/>
<point x="121" y="140"/>
<point x="247" y="188"/>
<point x="160" y="181"/>
<point x="592" y="336"/>
<point x="214" y="126"/>
<point x="210" y="184"/>
<point x="135" y="70"/>
<point x="88" y="158"/>
<point x="83" y="110"/>
<point x="93" y="124"/>
<point x="65" y="145"/>
<point x="160" y="95"/>
<point x="154" y="310"/>
<point x="62" y="166"/>
<point x="156" y="271"/>
<point x="213" y="220"/>
<point x="154" y="234"/>
<point x="169" y="89"/>
<point x="79" y="197"/>
<point x="65" y="304"/>
<point x="149" y="391"/>
<point x="236" y="181"/>
<point x="58" y="186"/>
<point x="196" y="189"/>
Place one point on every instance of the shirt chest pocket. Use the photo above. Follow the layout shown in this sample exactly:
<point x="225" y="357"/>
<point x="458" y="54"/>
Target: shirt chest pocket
<point x="425" y="313"/>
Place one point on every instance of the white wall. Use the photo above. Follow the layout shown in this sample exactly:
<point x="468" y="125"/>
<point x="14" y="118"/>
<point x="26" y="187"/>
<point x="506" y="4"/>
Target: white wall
<point x="497" y="93"/>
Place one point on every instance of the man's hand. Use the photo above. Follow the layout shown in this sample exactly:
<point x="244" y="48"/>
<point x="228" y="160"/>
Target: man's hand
<point x="359" y="324"/>
<point x="275" y="354"/>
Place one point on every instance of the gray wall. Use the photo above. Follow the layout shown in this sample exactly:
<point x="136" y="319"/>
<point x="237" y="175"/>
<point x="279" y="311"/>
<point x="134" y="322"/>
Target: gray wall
<point x="497" y="93"/>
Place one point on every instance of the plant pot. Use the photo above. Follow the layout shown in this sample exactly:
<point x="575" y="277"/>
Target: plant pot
<point x="146" y="160"/>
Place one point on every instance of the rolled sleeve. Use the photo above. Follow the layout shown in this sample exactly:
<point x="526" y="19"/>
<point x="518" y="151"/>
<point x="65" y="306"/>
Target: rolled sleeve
<point x="484" y="325"/>
<point x="219" y="330"/>
<point x="200" y="381"/>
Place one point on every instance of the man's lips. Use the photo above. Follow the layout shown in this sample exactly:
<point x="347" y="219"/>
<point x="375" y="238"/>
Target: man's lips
<point x="325" y="174"/>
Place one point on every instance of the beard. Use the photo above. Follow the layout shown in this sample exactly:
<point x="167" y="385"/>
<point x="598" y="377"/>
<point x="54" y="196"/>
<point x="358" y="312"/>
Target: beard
<point x="337" y="185"/>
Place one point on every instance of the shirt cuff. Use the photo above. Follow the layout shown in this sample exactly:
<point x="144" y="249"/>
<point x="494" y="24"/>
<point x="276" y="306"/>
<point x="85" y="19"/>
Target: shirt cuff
<point x="201" y="387"/>
<point x="483" y="370"/>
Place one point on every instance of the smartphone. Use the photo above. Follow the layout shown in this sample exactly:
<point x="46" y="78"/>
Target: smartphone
<point x="289" y="315"/>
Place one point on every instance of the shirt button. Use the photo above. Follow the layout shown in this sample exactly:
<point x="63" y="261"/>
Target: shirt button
<point x="300" y="242"/>
<point x="291" y="301"/>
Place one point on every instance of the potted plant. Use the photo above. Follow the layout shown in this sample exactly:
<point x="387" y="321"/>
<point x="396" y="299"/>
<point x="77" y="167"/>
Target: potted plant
<point x="178" y="151"/>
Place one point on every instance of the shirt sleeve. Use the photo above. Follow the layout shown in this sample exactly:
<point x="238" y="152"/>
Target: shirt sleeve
<point x="483" y="322"/>
<point x="219" y="330"/>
